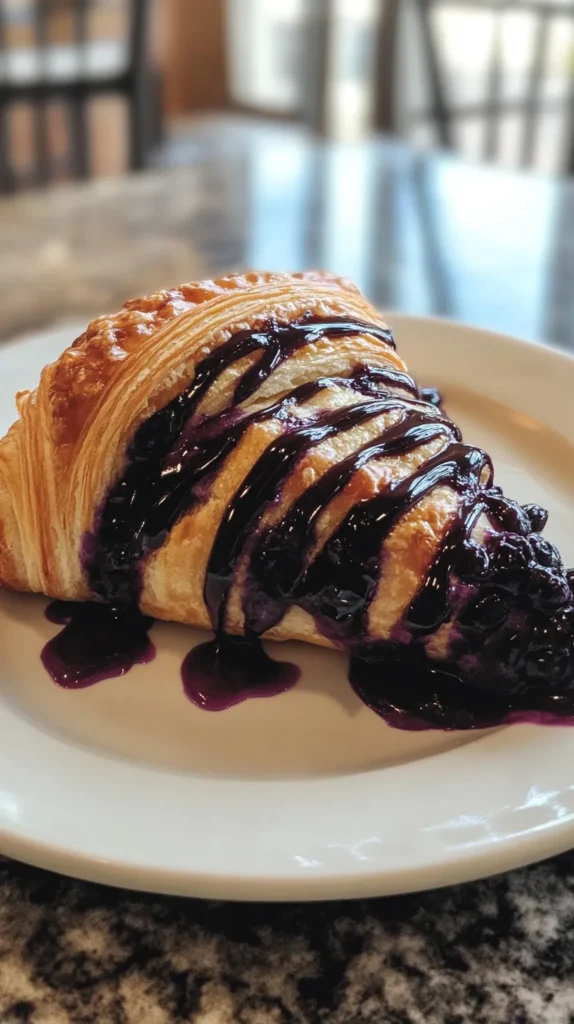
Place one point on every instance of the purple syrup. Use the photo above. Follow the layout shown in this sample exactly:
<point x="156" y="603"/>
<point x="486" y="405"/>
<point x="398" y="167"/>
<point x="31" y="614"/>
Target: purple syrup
<point x="97" y="642"/>
<point x="225" y="671"/>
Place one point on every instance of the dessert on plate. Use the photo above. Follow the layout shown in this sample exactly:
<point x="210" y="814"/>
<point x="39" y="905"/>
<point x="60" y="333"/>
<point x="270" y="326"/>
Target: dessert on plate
<point x="251" y="455"/>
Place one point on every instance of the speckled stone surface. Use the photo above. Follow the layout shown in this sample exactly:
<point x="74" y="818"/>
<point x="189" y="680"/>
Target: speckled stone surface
<point x="495" y="952"/>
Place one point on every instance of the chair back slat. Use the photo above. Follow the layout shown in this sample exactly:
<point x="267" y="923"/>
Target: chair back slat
<point x="493" y="92"/>
<point x="534" y="89"/>
<point x="77" y="113"/>
<point x="439" y="107"/>
<point x="41" y="13"/>
<point x="80" y="21"/>
<point x="6" y="171"/>
<point x="138" y="34"/>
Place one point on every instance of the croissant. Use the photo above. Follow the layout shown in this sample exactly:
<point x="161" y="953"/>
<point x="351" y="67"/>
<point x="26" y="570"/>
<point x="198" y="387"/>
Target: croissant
<point x="251" y="455"/>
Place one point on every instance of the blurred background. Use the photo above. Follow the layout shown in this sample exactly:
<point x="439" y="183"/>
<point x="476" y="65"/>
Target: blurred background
<point x="122" y="82"/>
<point x="422" y="147"/>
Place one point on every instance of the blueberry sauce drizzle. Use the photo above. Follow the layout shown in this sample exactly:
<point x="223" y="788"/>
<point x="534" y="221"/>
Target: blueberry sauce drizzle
<point x="503" y="604"/>
<point x="127" y="527"/>
<point x="263" y="486"/>
<point x="280" y="553"/>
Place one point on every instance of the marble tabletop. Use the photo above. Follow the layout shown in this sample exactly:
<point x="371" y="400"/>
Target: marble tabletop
<point x="423" y="233"/>
<point x="419" y="232"/>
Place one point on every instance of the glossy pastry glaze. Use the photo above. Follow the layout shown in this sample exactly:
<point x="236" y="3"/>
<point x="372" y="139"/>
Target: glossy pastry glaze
<point x="496" y="591"/>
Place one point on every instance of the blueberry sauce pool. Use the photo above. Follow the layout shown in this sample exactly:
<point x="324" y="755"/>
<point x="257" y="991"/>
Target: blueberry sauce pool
<point x="505" y="600"/>
<point x="97" y="642"/>
<point x="225" y="671"/>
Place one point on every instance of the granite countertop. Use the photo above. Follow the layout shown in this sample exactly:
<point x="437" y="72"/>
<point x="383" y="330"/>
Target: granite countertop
<point x="494" y="952"/>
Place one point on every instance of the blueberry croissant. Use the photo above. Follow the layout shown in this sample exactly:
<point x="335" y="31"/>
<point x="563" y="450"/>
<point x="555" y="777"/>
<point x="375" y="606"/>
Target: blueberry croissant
<point x="251" y="454"/>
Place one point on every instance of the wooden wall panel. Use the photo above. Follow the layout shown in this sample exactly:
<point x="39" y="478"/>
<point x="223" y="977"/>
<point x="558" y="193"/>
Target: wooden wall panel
<point x="194" y="62"/>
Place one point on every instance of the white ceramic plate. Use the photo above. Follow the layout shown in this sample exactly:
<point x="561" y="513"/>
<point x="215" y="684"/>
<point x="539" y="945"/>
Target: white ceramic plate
<point x="308" y="795"/>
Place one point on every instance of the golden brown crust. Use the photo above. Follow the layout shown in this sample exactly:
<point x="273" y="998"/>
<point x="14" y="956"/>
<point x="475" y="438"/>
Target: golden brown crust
<point x="86" y="369"/>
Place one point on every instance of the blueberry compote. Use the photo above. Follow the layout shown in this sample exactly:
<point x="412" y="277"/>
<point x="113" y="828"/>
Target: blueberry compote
<point x="501" y="607"/>
<point x="511" y="657"/>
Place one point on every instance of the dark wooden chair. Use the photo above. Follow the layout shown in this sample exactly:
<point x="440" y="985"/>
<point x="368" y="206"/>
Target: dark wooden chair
<point x="445" y="115"/>
<point x="72" y="72"/>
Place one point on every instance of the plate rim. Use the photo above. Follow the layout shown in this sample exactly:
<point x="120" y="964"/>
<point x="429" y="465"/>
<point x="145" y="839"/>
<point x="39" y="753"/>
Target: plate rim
<point x="303" y="889"/>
